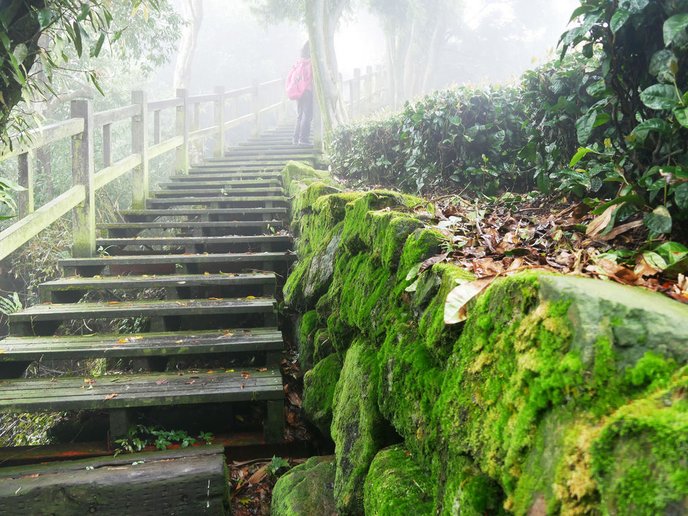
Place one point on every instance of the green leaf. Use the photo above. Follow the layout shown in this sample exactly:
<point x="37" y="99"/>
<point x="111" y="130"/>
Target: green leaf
<point x="674" y="26"/>
<point x="681" y="196"/>
<point x="78" y="45"/>
<point x="672" y="252"/>
<point x="653" y="125"/>
<point x="45" y="17"/>
<point x="582" y="152"/>
<point x="659" y="221"/>
<point x="619" y="19"/>
<point x="655" y="260"/>
<point x="660" y="97"/>
<point x="95" y="52"/>
<point x="681" y="115"/>
<point x="664" y="66"/>
<point x="585" y="125"/>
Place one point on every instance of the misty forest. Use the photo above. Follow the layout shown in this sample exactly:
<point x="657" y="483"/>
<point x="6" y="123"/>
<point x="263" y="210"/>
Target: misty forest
<point x="344" y="257"/>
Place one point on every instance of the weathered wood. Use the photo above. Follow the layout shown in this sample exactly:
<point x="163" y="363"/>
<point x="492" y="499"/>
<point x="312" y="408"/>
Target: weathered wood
<point x="228" y="190"/>
<point x="256" y="183"/>
<point x="17" y="349"/>
<point x="157" y="132"/>
<point x="188" y="481"/>
<point x="140" y="226"/>
<point x="25" y="199"/>
<point x="219" y="118"/>
<point x="165" y="104"/>
<point x="186" y="307"/>
<point x="41" y="137"/>
<point x="176" y="142"/>
<point x="182" y="129"/>
<point x="118" y="169"/>
<point x="25" y="229"/>
<point x="140" y="390"/>
<point x="274" y="421"/>
<point x="107" y="145"/>
<point x="195" y="212"/>
<point x="198" y="201"/>
<point x="139" y="145"/>
<point x="116" y="115"/>
<point x="194" y="241"/>
<point x="83" y="171"/>
<point x="120" y="421"/>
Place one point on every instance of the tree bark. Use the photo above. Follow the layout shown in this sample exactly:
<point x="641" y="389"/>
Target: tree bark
<point x="193" y="11"/>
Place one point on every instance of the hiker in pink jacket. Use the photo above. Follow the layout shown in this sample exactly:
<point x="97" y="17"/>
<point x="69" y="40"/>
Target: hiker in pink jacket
<point x="300" y="88"/>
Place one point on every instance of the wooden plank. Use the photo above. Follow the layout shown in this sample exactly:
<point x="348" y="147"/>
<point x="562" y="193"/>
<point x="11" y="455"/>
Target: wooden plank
<point x="233" y="224"/>
<point x="141" y="390"/>
<point x="193" y="201"/>
<point x="107" y="175"/>
<point x="228" y="191"/>
<point x="229" y="184"/>
<point x="116" y="115"/>
<point x="21" y="232"/>
<point x="164" y="104"/>
<point x="188" y="307"/>
<point x="201" y="133"/>
<point x="165" y="147"/>
<point x="178" y="259"/>
<point x="77" y="283"/>
<point x="189" y="481"/>
<point x="188" y="241"/>
<point x="146" y="344"/>
<point x="41" y="137"/>
<point x="195" y="212"/>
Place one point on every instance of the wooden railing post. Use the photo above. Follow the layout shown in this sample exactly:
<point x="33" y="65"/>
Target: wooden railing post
<point x="368" y="90"/>
<point x="255" y="99"/>
<point x="107" y="145"/>
<point x="355" y="93"/>
<point x="139" y="145"/>
<point x="83" y="171"/>
<point x="182" y="129"/>
<point x="25" y="198"/>
<point x="219" y="111"/>
<point x="379" y="86"/>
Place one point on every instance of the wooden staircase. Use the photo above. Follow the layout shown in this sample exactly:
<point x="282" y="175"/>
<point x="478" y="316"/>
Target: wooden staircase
<point x="210" y="252"/>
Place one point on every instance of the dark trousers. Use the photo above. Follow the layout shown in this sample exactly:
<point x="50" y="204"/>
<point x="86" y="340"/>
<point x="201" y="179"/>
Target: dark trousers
<point x="302" y="133"/>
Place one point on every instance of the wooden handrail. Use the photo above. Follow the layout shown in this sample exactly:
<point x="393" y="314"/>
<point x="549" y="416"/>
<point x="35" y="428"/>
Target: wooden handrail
<point x="263" y="100"/>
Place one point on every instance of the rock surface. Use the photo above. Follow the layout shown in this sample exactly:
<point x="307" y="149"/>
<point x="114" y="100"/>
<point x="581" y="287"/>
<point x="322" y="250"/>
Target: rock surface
<point x="306" y="489"/>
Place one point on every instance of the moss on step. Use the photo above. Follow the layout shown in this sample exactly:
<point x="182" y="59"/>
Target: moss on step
<point x="397" y="486"/>
<point x="318" y="392"/>
<point x="358" y="429"/>
<point x="305" y="489"/>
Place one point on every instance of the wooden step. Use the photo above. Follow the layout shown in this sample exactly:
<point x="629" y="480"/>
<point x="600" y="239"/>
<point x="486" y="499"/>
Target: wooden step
<point x="93" y="266"/>
<point x="217" y="191"/>
<point x="139" y="390"/>
<point x="216" y="175"/>
<point x="26" y="321"/>
<point x="255" y="213"/>
<point x="199" y="244"/>
<point x="198" y="201"/>
<point x="186" y="481"/>
<point x="141" y="345"/>
<point x="263" y="283"/>
<point x="219" y="225"/>
<point x="249" y="183"/>
<point x="254" y="166"/>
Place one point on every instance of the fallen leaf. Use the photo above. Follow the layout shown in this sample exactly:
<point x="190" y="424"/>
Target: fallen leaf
<point x="599" y="224"/>
<point x="294" y="399"/>
<point x="161" y="382"/>
<point x="432" y="261"/>
<point x="259" y="475"/>
<point x="455" y="305"/>
<point x="111" y="396"/>
<point x="620" y="230"/>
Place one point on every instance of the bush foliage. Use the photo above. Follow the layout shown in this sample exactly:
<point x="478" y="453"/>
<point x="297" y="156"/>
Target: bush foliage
<point x="606" y="121"/>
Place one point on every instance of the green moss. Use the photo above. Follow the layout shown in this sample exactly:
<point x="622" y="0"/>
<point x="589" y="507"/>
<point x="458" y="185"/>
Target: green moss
<point x="419" y="246"/>
<point x="397" y="486"/>
<point x="305" y="489"/>
<point x="358" y="429"/>
<point x="318" y="392"/>
<point x="306" y="326"/>
<point x="305" y="199"/>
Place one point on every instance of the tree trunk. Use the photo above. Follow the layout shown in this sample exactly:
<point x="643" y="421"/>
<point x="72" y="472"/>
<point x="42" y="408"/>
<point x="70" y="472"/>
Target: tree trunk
<point x="193" y="12"/>
<point x="321" y="19"/>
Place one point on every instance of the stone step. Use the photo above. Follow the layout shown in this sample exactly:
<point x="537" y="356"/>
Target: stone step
<point x="260" y="225"/>
<point x="220" y="174"/>
<point x="200" y="201"/>
<point x="262" y="243"/>
<point x="249" y="157"/>
<point x="243" y="165"/>
<point x="200" y="262"/>
<point x="76" y="286"/>
<point x="166" y="344"/>
<point x="140" y="390"/>
<point x="217" y="191"/>
<point x="245" y="213"/>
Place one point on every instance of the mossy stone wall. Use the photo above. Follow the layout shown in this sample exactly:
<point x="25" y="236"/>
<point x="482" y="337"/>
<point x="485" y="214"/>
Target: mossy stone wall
<point x="558" y="394"/>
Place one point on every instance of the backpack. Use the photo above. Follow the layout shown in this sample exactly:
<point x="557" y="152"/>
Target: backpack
<point x="299" y="79"/>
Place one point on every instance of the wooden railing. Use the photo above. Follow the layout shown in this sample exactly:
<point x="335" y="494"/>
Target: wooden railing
<point x="249" y="107"/>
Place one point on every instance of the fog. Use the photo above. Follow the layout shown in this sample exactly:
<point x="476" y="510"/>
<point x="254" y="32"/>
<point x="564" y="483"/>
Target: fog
<point x="486" y="41"/>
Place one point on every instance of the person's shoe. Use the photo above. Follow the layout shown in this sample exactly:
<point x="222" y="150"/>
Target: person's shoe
<point x="305" y="143"/>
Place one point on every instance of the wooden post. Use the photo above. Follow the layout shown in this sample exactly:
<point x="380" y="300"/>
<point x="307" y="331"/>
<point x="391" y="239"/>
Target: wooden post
<point x="157" y="132"/>
<point x="83" y="171"/>
<point x="25" y="198"/>
<point x="369" y="90"/>
<point x="139" y="145"/>
<point x="107" y="145"/>
<point x="219" y="111"/>
<point x="357" y="90"/>
<point x="182" y="129"/>
<point x="255" y="98"/>
<point x="379" y="86"/>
